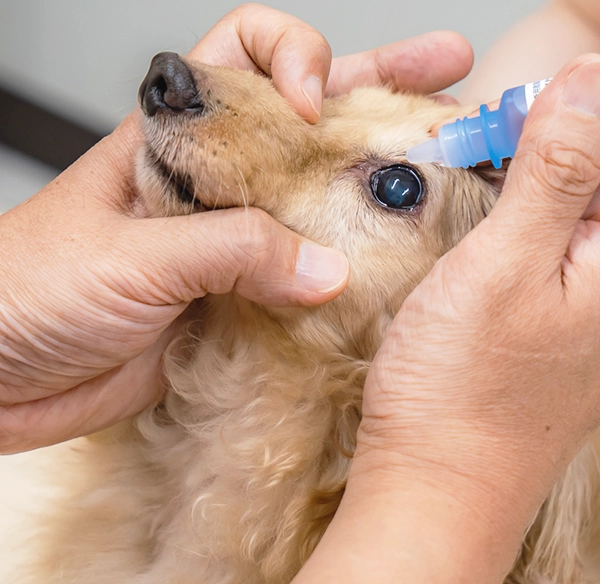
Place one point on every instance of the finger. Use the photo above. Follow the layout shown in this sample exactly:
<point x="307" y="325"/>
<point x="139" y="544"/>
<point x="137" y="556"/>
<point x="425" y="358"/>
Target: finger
<point x="259" y="38"/>
<point x="592" y="211"/>
<point x="89" y="407"/>
<point x="556" y="168"/>
<point x="423" y="64"/>
<point x="444" y="99"/>
<point x="174" y="260"/>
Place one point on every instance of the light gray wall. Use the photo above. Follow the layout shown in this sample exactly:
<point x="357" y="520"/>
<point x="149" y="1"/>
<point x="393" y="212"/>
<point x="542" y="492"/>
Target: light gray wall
<point x="87" y="57"/>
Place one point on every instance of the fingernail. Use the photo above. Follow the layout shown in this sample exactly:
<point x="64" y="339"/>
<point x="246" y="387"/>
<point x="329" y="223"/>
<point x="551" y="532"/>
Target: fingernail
<point x="582" y="90"/>
<point x="320" y="269"/>
<point x="313" y="91"/>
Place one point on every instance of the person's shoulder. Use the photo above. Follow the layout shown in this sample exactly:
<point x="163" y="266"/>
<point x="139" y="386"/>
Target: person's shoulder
<point x="587" y="9"/>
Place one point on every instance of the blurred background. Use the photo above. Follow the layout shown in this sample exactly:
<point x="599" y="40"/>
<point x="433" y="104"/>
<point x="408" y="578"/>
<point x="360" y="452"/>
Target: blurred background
<point x="70" y="69"/>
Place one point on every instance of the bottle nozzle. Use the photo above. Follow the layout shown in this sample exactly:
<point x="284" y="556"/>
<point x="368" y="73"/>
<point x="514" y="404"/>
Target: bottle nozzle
<point x="492" y="135"/>
<point x="429" y="151"/>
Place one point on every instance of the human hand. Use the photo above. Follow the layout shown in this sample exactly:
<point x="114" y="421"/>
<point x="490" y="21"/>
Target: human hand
<point x="91" y="288"/>
<point x="298" y="58"/>
<point x="488" y="382"/>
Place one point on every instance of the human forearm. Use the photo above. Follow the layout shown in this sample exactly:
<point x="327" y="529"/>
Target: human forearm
<point x="440" y="538"/>
<point x="535" y="48"/>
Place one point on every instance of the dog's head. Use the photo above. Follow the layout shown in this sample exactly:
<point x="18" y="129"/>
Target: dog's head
<point x="218" y="138"/>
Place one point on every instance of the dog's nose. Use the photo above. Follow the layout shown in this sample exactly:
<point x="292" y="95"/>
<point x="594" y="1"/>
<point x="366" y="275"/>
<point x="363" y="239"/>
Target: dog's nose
<point x="169" y="86"/>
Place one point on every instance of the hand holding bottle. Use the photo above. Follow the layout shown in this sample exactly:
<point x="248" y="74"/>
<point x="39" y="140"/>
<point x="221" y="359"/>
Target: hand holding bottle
<point x="489" y="381"/>
<point x="491" y="136"/>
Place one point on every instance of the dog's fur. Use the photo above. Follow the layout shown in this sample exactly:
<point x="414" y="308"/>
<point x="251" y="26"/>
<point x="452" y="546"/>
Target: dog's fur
<point x="235" y="475"/>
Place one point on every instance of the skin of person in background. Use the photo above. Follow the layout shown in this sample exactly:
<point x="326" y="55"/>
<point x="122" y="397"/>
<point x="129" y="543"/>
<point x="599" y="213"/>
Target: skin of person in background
<point x="433" y="497"/>
<point x="535" y="48"/>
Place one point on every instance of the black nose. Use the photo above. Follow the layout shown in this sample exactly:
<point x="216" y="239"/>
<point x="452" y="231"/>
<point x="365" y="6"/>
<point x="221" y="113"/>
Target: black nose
<point x="169" y="86"/>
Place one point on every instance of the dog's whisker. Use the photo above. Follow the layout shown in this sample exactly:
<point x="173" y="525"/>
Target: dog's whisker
<point x="189" y="180"/>
<point x="243" y="186"/>
<point x="219" y="192"/>
<point x="195" y="186"/>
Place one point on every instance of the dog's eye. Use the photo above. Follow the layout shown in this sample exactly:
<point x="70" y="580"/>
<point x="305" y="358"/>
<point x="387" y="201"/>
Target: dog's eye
<point x="397" y="187"/>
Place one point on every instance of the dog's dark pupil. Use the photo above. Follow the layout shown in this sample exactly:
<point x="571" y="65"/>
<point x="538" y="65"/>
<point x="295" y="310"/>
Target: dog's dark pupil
<point x="397" y="187"/>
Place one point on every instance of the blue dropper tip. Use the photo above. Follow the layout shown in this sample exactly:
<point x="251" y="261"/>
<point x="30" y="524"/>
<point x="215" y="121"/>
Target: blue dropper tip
<point x="429" y="151"/>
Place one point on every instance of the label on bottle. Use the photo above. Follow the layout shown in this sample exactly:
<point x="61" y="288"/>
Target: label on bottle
<point x="532" y="90"/>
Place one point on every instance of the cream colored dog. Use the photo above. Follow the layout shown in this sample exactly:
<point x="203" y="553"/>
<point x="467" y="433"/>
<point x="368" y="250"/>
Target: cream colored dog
<point x="235" y="475"/>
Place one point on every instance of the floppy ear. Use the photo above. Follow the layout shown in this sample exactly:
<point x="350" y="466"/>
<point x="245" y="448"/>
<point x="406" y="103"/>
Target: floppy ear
<point x="473" y="193"/>
<point x="492" y="182"/>
<point x="495" y="177"/>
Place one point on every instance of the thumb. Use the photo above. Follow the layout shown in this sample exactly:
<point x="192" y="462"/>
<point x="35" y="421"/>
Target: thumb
<point x="556" y="168"/>
<point x="260" y="38"/>
<point x="216" y="252"/>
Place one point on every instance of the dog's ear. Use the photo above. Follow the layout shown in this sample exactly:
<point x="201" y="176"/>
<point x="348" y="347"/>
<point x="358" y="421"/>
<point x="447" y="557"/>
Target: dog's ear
<point x="495" y="177"/>
<point x="474" y="193"/>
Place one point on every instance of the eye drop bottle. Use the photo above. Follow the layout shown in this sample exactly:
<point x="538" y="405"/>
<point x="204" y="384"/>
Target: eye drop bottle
<point x="493" y="135"/>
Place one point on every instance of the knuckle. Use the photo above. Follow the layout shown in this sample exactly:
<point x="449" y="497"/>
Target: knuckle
<point x="247" y="7"/>
<point x="256" y="237"/>
<point x="12" y="433"/>
<point x="293" y="33"/>
<point x="381" y="67"/>
<point x="247" y="12"/>
<point x="558" y="166"/>
<point x="268" y="29"/>
<point x="318" y="40"/>
<point x="247" y="238"/>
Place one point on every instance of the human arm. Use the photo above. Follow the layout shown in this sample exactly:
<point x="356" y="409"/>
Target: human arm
<point x="90" y="287"/>
<point x="488" y="383"/>
<point x="535" y="48"/>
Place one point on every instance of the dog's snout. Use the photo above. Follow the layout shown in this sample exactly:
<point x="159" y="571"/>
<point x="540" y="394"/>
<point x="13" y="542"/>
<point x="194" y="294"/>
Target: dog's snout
<point x="169" y="86"/>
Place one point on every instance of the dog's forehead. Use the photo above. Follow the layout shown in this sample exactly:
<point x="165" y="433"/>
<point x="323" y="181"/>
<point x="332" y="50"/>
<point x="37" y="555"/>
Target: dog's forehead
<point x="373" y="118"/>
<point x="379" y="119"/>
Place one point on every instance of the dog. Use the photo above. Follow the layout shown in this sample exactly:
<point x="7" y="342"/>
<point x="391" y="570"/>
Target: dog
<point x="234" y="476"/>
